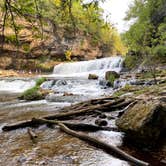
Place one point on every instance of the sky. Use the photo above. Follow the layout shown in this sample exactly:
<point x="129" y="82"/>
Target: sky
<point x="117" y="9"/>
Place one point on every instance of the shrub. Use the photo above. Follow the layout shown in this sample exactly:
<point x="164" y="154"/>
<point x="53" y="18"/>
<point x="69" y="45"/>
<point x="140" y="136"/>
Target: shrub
<point x="160" y="51"/>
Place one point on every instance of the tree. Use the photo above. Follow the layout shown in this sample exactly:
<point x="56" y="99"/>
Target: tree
<point x="72" y="17"/>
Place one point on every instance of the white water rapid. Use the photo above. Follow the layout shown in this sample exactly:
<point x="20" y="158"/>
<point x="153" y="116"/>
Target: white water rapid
<point x="16" y="85"/>
<point x="84" y="68"/>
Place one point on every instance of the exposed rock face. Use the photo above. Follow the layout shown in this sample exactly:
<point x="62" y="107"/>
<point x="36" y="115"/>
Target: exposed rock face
<point x="144" y="123"/>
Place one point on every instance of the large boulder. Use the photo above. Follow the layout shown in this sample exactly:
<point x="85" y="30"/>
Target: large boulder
<point x="144" y="123"/>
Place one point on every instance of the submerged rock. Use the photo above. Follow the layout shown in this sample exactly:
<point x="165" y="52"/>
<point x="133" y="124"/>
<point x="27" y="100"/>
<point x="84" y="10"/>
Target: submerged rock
<point x="144" y="123"/>
<point x="101" y="122"/>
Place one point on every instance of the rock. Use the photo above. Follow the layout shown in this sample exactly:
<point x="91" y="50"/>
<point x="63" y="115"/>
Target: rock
<point x="138" y="82"/>
<point x="104" y="83"/>
<point x="67" y="94"/>
<point x="144" y="123"/>
<point x="60" y="82"/>
<point x="117" y="84"/>
<point x="93" y="77"/>
<point x="111" y="76"/>
<point x="48" y="84"/>
<point x="102" y="116"/>
<point x="108" y="74"/>
<point x="45" y="92"/>
<point x="101" y="122"/>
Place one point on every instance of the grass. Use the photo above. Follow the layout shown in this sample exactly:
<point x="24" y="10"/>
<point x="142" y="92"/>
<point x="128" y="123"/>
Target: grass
<point x="34" y="93"/>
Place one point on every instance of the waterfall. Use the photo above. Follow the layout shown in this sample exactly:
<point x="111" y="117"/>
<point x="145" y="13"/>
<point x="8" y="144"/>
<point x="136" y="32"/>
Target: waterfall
<point x="84" y="68"/>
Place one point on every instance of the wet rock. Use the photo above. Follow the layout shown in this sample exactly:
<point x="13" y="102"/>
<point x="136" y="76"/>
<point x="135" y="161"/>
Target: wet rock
<point x="48" y="84"/>
<point x="104" y="83"/>
<point x="109" y="74"/>
<point x="117" y="84"/>
<point x="137" y="82"/>
<point x="68" y="94"/>
<point x="120" y="114"/>
<point x="102" y="116"/>
<point x="101" y="122"/>
<point x="93" y="77"/>
<point x="61" y="82"/>
<point x="144" y="123"/>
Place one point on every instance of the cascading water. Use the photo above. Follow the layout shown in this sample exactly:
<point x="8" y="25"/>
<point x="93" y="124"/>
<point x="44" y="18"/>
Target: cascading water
<point x="72" y="77"/>
<point x="16" y="85"/>
<point x="68" y="90"/>
<point x="84" y="68"/>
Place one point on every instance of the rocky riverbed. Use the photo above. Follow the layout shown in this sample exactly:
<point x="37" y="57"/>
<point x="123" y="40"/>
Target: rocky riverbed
<point x="54" y="147"/>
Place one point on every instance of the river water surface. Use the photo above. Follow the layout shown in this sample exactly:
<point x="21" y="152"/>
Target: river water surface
<point x="53" y="147"/>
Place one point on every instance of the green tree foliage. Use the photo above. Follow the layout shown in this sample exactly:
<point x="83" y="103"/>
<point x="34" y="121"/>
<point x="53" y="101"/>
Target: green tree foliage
<point x="71" y="16"/>
<point x="147" y="34"/>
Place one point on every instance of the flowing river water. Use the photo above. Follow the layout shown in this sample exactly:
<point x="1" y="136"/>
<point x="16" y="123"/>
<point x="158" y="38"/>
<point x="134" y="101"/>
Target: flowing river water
<point x="53" y="147"/>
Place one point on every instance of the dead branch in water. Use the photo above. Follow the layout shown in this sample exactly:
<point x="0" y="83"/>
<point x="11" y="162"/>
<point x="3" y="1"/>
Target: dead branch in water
<point x="75" y="126"/>
<point x="88" y="109"/>
<point x="102" y="145"/>
<point x="109" y="106"/>
<point x="32" y="135"/>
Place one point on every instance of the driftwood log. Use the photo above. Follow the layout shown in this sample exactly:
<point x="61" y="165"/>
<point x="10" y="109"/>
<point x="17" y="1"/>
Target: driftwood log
<point x="74" y="111"/>
<point x="83" y="111"/>
<point x="75" y="126"/>
<point x="32" y="134"/>
<point x="103" y="145"/>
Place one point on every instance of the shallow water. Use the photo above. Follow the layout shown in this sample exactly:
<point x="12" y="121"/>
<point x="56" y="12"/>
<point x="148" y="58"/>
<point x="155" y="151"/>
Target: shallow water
<point x="52" y="147"/>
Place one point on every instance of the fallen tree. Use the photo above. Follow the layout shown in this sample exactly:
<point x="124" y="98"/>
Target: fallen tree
<point x="107" y="147"/>
<point x="75" y="126"/>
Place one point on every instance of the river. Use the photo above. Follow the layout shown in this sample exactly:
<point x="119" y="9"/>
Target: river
<point x="53" y="147"/>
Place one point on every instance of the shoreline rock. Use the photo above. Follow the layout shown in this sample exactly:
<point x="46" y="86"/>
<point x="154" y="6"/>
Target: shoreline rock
<point x="144" y="123"/>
